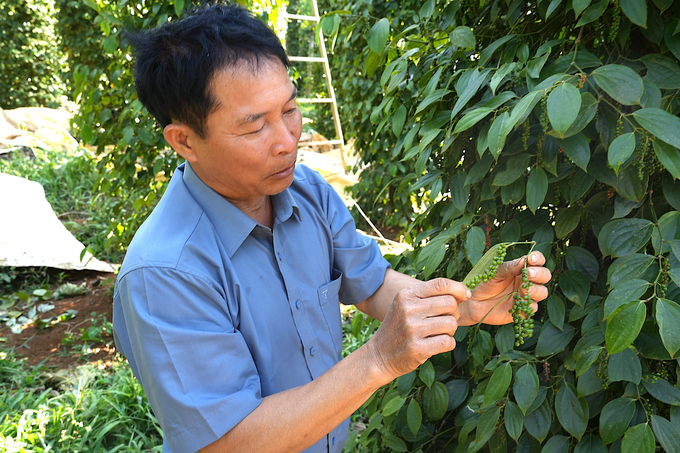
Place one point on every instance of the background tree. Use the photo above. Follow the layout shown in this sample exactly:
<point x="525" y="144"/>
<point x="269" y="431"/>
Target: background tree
<point x="32" y="68"/>
<point x="552" y="122"/>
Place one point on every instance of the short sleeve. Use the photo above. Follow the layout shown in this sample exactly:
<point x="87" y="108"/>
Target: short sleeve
<point x="175" y="330"/>
<point x="355" y="255"/>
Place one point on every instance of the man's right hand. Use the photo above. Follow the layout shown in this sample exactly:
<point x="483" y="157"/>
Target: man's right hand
<point x="419" y="323"/>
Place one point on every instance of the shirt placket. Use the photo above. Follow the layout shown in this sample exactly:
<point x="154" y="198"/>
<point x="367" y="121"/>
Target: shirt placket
<point x="300" y="303"/>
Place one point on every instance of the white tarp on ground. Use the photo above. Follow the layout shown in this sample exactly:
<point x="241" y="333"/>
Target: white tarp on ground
<point x="32" y="235"/>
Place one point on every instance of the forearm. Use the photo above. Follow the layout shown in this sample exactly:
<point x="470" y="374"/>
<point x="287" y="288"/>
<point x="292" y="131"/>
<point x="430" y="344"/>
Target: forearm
<point x="297" y="418"/>
<point x="378" y="304"/>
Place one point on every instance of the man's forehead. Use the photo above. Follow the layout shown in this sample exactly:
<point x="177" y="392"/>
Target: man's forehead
<point x="252" y="117"/>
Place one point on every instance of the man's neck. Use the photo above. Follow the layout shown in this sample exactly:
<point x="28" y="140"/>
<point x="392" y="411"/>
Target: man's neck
<point x="261" y="211"/>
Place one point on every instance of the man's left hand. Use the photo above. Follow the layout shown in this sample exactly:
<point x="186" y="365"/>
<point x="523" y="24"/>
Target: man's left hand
<point x="491" y="301"/>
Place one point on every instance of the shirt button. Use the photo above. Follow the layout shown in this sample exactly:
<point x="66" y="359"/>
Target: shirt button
<point x="312" y="350"/>
<point x="333" y="441"/>
<point x="297" y="304"/>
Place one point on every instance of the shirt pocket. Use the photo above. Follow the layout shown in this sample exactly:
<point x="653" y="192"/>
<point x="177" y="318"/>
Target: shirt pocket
<point x="329" y="300"/>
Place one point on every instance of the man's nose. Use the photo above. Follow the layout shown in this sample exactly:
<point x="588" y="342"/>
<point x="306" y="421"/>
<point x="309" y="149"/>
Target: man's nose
<point x="286" y="137"/>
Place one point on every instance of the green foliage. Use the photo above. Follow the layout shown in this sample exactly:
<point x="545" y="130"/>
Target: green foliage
<point x="554" y="122"/>
<point x="30" y="61"/>
<point x="84" y="409"/>
<point x="381" y="192"/>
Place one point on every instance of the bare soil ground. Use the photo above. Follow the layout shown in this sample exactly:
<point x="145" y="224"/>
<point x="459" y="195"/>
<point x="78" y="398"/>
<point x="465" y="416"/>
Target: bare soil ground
<point x="49" y="347"/>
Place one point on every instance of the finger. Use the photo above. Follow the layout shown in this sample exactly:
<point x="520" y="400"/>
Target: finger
<point x="540" y="275"/>
<point x="514" y="267"/>
<point x="441" y="325"/>
<point x="421" y="308"/>
<point x="439" y="287"/>
<point x="537" y="292"/>
<point x="440" y="343"/>
<point x="440" y="306"/>
<point x="536" y="258"/>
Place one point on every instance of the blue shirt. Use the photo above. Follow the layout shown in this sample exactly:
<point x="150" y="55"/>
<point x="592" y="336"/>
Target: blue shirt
<point x="214" y="311"/>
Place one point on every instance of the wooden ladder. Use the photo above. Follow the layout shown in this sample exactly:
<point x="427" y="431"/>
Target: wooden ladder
<point x="329" y="82"/>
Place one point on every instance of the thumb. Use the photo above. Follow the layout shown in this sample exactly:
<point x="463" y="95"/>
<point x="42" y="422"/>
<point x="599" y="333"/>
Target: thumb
<point x="441" y="287"/>
<point x="514" y="267"/>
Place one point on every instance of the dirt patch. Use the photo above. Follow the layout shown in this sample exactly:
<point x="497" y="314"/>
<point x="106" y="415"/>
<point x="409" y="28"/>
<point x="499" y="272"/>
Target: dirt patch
<point x="84" y="338"/>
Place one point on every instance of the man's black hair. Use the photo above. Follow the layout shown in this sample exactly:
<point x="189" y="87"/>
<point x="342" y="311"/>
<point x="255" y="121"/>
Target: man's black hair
<point x="176" y="62"/>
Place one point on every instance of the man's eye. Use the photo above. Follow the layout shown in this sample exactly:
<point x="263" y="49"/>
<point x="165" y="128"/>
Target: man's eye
<point x="257" y="131"/>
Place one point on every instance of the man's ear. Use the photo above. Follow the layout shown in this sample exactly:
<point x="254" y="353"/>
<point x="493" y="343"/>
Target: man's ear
<point x="180" y="137"/>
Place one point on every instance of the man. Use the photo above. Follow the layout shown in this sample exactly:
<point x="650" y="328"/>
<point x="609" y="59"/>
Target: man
<point x="227" y="303"/>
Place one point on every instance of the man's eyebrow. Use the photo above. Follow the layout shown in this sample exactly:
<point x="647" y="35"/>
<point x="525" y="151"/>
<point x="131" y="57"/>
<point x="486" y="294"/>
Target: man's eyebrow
<point x="251" y="118"/>
<point x="256" y="116"/>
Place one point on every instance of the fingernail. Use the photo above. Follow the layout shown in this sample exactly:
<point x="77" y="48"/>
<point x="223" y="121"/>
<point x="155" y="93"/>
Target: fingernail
<point x="532" y="272"/>
<point x="468" y="294"/>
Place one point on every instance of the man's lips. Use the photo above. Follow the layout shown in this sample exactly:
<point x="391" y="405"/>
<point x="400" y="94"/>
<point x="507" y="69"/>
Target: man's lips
<point x="285" y="172"/>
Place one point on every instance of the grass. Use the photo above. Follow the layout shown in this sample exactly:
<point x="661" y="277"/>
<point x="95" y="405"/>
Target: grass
<point x="87" y="409"/>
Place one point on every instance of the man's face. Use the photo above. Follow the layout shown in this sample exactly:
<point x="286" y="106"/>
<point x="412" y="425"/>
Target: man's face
<point x="251" y="144"/>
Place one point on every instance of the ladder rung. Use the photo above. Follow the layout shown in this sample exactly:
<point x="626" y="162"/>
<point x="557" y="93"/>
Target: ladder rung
<point x="315" y="100"/>
<point x="301" y="17"/>
<point x="324" y="142"/>
<point x="308" y="59"/>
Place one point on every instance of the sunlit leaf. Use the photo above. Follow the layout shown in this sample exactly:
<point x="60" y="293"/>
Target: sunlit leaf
<point x="620" y="150"/>
<point x="414" y="416"/>
<point x="498" y="384"/>
<point x="624" y="325"/>
<point x="564" y="104"/>
<point x="639" y="439"/>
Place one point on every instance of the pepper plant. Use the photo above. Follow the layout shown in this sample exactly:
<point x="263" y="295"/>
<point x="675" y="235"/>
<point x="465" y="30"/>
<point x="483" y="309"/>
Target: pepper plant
<point x="546" y="121"/>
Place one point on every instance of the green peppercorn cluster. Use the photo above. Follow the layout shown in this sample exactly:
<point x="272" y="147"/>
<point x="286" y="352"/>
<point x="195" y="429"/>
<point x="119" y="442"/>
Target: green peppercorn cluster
<point x="616" y="21"/>
<point x="522" y="312"/>
<point x="490" y="272"/>
<point x="662" y="285"/>
<point x="544" y="120"/>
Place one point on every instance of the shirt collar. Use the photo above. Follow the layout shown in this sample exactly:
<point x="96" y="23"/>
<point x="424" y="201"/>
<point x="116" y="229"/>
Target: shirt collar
<point x="231" y="224"/>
